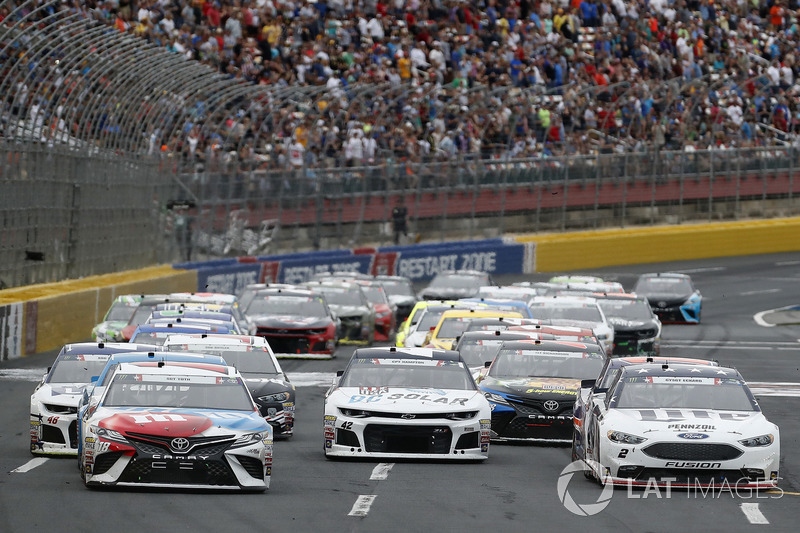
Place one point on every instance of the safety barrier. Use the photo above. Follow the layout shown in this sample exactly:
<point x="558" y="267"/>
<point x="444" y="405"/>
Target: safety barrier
<point x="591" y="249"/>
<point x="44" y="317"/>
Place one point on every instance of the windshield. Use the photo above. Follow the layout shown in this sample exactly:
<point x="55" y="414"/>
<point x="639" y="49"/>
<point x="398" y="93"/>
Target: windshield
<point x="477" y="352"/>
<point x="540" y="363"/>
<point x="456" y="282"/>
<point x="196" y="392"/>
<point x="120" y="312"/>
<point x="75" y="368"/>
<point x="408" y="373"/>
<point x="452" y="327"/>
<point x="375" y="294"/>
<point x="663" y="286"/>
<point x="586" y="313"/>
<point x="682" y="393"/>
<point x="344" y="297"/>
<point x="398" y="288"/>
<point x="141" y="314"/>
<point x="287" y="305"/>
<point x="430" y="319"/>
<point x="246" y="359"/>
<point x="626" y="309"/>
<point x="156" y="338"/>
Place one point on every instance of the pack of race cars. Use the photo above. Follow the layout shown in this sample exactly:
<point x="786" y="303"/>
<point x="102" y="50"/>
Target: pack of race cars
<point x="197" y="396"/>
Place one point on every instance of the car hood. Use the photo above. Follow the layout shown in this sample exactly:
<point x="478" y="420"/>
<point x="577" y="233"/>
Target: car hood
<point x="543" y="388"/>
<point x="658" y="424"/>
<point x="114" y="325"/>
<point x="176" y="422"/>
<point x="289" y="321"/>
<point x="61" y="393"/>
<point x="413" y="400"/>
<point x="259" y="386"/>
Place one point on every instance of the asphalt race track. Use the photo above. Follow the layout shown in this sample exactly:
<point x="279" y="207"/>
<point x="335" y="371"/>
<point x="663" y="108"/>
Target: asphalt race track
<point x="515" y="490"/>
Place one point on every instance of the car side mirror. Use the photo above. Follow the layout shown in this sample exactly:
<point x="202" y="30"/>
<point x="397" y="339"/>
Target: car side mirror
<point x="588" y="383"/>
<point x="339" y="373"/>
<point x="487" y="364"/>
<point x="94" y="379"/>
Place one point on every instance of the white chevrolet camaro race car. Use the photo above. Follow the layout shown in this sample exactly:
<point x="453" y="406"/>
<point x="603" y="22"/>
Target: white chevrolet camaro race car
<point x="54" y="402"/>
<point x="406" y="403"/>
<point x="176" y="424"/>
<point x="680" y="425"/>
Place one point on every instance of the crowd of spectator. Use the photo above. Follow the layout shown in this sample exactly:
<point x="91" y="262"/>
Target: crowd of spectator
<point x="421" y="80"/>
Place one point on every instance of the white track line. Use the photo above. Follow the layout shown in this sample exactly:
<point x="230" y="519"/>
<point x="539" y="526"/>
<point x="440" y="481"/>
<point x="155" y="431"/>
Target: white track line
<point x="758" y="317"/>
<point x="30" y="465"/>
<point x="362" y="505"/>
<point x="753" y="514"/>
<point x="311" y="379"/>
<point x="706" y="269"/>
<point x="381" y="471"/>
<point x="765" y="291"/>
<point x="787" y="263"/>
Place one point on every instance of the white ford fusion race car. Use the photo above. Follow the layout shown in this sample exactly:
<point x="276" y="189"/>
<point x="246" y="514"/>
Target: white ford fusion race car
<point x="406" y="403"/>
<point x="176" y="424"/>
<point x="54" y="402"/>
<point x="682" y="426"/>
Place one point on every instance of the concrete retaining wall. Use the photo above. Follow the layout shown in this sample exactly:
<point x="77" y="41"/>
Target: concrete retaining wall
<point x="44" y="317"/>
<point x="556" y="252"/>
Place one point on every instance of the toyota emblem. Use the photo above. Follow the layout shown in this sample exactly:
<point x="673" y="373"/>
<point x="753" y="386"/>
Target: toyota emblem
<point x="179" y="444"/>
<point x="662" y="304"/>
<point x="551" y="405"/>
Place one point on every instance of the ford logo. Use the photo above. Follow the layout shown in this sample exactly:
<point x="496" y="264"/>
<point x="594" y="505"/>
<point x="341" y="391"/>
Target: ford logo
<point x="693" y="436"/>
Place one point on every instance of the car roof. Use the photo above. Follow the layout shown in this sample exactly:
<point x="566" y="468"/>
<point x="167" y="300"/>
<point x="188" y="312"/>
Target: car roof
<point x="165" y="356"/>
<point x="499" y="334"/>
<point x="681" y="370"/>
<point x="215" y="338"/>
<point x="479" y="313"/>
<point x="103" y="348"/>
<point x="552" y="346"/>
<point x="187" y="368"/>
<point x="618" y="362"/>
<point x="665" y="275"/>
<point x="395" y="352"/>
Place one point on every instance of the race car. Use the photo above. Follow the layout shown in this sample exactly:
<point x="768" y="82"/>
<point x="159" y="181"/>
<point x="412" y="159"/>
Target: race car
<point x="401" y="295"/>
<point x="455" y="284"/>
<point x="595" y="389"/>
<point x="252" y="356"/>
<point x="423" y="317"/>
<point x="478" y="347"/>
<point x="54" y="402"/>
<point x="415" y="403"/>
<point x="672" y="296"/>
<point x="116" y="318"/>
<point x="454" y="322"/>
<point x="295" y="322"/>
<point x="177" y="424"/>
<point x="637" y="330"/>
<point x="680" y="425"/>
<point x="581" y="311"/>
<point x="92" y="393"/>
<point x="532" y="385"/>
<point x="355" y="313"/>
<point x="156" y="333"/>
<point x="385" y="320"/>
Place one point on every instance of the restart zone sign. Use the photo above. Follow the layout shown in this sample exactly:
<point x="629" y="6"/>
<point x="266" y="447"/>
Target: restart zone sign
<point x="416" y="262"/>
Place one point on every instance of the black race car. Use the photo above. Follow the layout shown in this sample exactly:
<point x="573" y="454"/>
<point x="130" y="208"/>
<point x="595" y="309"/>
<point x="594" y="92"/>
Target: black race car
<point x="637" y="330"/>
<point x="672" y="296"/>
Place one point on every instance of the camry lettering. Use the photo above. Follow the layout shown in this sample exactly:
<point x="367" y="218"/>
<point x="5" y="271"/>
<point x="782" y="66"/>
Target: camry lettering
<point x="182" y="457"/>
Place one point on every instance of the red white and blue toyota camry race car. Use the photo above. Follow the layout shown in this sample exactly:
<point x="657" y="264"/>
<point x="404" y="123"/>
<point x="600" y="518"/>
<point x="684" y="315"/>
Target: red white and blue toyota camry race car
<point x="176" y="424"/>
<point x="417" y="403"/>
<point x="680" y="426"/>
